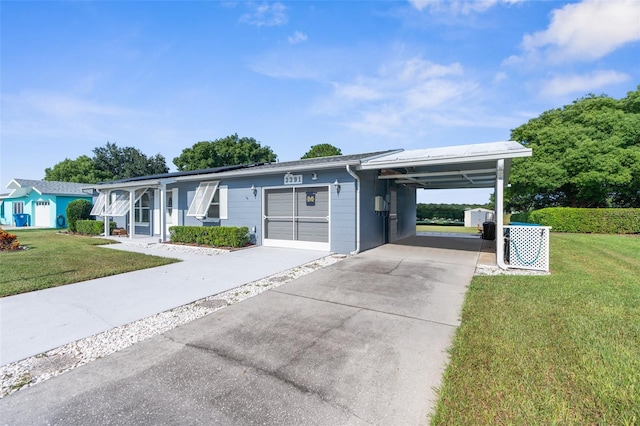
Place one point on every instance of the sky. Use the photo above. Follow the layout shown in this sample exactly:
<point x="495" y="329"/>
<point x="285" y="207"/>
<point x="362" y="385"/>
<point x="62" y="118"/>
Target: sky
<point x="360" y="75"/>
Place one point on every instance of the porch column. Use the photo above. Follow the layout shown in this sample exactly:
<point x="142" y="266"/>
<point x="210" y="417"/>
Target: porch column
<point x="500" y="214"/>
<point x="163" y="212"/>
<point x="106" y="209"/>
<point x="132" y="225"/>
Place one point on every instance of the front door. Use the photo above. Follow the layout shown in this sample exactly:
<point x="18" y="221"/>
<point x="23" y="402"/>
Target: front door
<point x="172" y="208"/>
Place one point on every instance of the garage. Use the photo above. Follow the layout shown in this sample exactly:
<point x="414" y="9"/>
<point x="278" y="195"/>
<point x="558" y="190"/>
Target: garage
<point x="297" y="217"/>
<point x="42" y="213"/>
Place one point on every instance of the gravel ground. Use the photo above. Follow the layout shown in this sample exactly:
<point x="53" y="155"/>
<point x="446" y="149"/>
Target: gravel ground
<point x="31" y="371"/>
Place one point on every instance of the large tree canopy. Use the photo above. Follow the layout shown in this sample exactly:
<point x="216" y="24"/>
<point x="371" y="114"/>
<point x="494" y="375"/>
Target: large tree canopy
<point x="80" y="170"/>
<point x="127" y="162"/>
<point x="229" y="151"/>
<point x="109" y="163"/>
<point x="586" y="154"/>
<point x="322" y="150"/>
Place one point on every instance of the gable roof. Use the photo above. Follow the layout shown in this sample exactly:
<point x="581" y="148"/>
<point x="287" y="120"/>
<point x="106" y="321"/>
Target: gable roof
<point x="22" y="187"/>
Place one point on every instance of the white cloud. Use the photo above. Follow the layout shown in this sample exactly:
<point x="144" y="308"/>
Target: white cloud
<point x="297" y="37"/>
<point x="586" y="31"/>
<point x="401" y="98"/>
<point x="268" y="15"/>
<point x="566" y="84"/>
<point x="463" y="7"/>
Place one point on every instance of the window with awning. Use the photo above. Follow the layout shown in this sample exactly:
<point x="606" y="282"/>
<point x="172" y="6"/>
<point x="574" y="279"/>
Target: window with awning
<point x="120" y="205"/>
<point x="203" y="204"/>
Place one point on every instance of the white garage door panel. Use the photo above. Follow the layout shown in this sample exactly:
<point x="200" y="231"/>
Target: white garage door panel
<point x="41" y="213"/>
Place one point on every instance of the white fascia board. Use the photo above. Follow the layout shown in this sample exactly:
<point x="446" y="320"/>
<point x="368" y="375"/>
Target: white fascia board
<point x="151" y="183"/>
<point x="258" y="171"/>
<point x="525" y="152"/>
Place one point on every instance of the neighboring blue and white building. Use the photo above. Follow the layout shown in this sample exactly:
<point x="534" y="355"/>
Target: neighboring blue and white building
<point x="39" y="202"/>
<point x="341" y="204"/>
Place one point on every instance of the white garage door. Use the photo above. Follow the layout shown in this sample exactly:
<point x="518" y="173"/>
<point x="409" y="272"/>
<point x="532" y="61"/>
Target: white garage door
<point x="297" y="217"/>
<point x="41" y="213"/>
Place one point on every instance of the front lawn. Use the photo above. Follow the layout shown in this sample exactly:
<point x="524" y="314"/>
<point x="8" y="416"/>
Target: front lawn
<point x="558" y="349"/>
<point x="57" y="259"/>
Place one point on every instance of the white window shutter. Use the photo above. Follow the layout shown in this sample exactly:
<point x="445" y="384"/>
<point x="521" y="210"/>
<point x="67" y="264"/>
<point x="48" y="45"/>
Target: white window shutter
<point x="223" y="202"/>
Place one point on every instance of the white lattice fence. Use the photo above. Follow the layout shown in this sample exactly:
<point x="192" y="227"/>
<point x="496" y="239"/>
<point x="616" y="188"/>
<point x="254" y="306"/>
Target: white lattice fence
<point x="527" y="247"/>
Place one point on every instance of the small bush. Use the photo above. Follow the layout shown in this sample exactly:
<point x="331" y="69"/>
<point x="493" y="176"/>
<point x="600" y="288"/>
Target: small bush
<point x="93" y="227"/>
<point x="596" y="221"/>
<point x="77" y="210"/>
<point x="216" y="236"/>
<point x="8" y="241"/>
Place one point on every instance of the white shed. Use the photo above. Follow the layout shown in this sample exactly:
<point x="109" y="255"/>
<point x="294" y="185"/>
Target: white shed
<point x="476" y="217"/>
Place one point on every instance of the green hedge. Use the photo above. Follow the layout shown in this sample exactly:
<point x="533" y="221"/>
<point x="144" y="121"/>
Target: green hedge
<point x="521" y="217"/>
<point x="77" y="210"/>
<point x="597" y="221"/>
<point x="93" y="227"/>
<point x="216" y="236"/>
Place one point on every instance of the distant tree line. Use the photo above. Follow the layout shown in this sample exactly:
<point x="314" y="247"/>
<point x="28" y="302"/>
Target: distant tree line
<point x="444" y="211"/>
<point x="112" y="162"/>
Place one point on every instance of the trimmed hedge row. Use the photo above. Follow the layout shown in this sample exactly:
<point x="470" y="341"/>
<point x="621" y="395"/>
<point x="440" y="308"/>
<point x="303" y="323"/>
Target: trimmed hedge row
<point x="216" y="236"/>
<point x="521" y="217"/>
<point x="597" y="221"/>
<point x="93" y="227"/>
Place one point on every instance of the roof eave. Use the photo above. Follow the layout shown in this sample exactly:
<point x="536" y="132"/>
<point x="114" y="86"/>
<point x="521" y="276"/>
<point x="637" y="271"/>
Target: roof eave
<point x="525" y="152"/>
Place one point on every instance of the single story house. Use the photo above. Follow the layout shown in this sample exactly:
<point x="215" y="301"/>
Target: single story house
<point x="476" y="217"/>
<point x="39" y="202"/>
<point x="341" y="204"/>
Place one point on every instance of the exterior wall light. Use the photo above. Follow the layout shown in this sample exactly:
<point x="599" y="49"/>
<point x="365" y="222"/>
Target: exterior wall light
<point x="336" y="185"/>
<point x="254" y="191"/>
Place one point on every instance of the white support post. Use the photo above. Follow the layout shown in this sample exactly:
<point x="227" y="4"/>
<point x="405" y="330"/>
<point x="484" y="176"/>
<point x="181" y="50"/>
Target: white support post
<point x="106" y="217"/>
<point x="132" y="225"/>
<point x="500" y="214"/>
<point x="163" y="212"/>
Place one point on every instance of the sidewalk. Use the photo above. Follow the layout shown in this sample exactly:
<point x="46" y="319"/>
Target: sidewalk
<point x="33" y="323"/>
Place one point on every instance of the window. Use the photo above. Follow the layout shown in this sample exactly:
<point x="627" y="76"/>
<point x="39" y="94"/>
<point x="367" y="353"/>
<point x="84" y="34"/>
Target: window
<point x="203" y="202"/>
<point x="18" y="207"/>
<point x="141" y="209"/>
<point x="120" y="205"/>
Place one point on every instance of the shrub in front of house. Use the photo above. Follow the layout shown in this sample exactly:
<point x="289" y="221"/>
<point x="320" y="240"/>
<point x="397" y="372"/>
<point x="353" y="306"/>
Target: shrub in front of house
<point x="8" y="242"/>
<point x="215" y="236"/>
<point x="596" y="221"/>
<point x="78" y="210"/>
<point x="93" y="227"/>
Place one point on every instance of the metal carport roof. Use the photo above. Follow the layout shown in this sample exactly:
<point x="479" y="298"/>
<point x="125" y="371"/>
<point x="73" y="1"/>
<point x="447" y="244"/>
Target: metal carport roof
<point x="462" y="166"/>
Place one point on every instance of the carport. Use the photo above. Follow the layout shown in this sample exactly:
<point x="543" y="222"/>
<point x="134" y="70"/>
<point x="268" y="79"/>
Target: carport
<point x="484" y="165"/>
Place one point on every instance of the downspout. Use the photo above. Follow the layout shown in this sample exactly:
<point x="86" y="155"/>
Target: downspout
<point x="355" y="176"/>
<point x="500" y="214"/>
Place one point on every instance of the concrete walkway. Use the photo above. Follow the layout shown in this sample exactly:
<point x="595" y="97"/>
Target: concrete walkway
<point x="360" y="342"/>
<point x="35" y="322"/>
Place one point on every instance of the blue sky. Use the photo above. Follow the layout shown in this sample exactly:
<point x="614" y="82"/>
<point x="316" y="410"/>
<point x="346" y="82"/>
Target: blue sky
<point x="363" y="76"/>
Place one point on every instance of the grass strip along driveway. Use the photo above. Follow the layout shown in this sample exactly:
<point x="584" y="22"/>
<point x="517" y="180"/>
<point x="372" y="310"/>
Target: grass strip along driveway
<point x="558" y="349"/>
<point x="55" y="259"/>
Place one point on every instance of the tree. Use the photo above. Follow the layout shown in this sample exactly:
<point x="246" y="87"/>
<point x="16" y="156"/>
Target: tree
<point x="108" y="163"/>
<point x="80" y="170"/>
<point x="586" y="154"/>
<point x="229" y="151"/>
<point x="127" y="162"/>
<point x="322" y="150"/>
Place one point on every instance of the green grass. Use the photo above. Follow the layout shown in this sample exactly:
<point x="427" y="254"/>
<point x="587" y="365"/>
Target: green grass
<point x="558" y="349"/>
<point x="456" y="229"/>
<point x="57" y="259"/>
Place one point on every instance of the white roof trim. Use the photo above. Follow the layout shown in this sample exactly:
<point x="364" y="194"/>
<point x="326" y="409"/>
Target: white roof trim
<point x="449" y="155"/>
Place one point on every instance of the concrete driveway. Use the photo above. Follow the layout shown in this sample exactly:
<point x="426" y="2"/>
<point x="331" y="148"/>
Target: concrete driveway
<point x="359" y="342"/>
